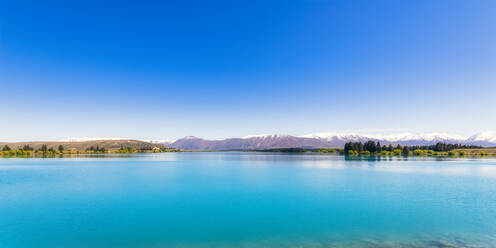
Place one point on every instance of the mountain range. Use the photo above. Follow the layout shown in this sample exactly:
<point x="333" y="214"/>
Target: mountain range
<point x="329" y="140"/>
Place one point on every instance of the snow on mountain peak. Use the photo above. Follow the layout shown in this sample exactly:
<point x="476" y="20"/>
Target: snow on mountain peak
<point x="350" y="136"/>
<point x="190" y="137"/>
<point x="489" y="136"/>
<point x="426" y="137"/>
<point x="264" y="136"/>
<point x="389" y="137"/>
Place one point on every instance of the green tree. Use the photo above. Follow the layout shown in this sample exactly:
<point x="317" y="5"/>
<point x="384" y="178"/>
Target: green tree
<point x="405" y="151"/>
<point x="419" y="152"/>
<point x="370" y="146"/>
<point x="27" y="148"/>
<point x="61" y="148"/>
<point x="6" y="148"/>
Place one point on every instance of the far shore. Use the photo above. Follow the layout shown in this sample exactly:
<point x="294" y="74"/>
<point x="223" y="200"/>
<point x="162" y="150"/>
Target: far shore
<point x="53" y="153"/>
<point x="102" y="147"/>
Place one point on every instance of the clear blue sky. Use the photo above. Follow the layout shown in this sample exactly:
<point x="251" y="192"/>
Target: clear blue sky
<point x="216" y="69"/>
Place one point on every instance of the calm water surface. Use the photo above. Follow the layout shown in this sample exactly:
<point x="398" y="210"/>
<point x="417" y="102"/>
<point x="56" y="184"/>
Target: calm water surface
<point x="247" y="200"/>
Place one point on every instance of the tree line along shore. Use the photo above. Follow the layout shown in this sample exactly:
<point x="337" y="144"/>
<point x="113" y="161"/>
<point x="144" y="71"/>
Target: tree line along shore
<point x="369" y="148"/>
<point x="44" y="150"/>
<point x="373" y="148"/>
<point x="47" y="149"/>
<point x="439" y="149"/>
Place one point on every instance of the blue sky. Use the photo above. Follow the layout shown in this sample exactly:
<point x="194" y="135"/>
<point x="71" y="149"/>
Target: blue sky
<point x="216" y="69"/>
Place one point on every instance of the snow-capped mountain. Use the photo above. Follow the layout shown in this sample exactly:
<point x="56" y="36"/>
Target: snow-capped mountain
<point x="252" y="142"/>
<point x="400" y="138"/>
<point x="265" y="136"/>
<point x="483" y="139"/>
<point x="335" y="140"/>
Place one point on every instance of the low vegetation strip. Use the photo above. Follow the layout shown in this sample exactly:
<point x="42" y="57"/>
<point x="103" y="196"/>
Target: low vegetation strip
<point x="44" y="149"/>
<point x="372" y="148"/>
<point x="439" y="149"/>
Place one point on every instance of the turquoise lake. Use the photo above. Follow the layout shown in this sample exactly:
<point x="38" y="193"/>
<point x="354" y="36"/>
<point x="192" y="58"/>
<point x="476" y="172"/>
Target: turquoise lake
<point x="247" y="200"/>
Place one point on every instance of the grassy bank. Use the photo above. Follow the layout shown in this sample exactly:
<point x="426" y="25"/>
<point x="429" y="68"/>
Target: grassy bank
<point x="58" y="153"/>
<point x="468" y="152"/>
<point x="484" y="152"/>
<point x="490" y="152"/>
<point x="475" y="152"/>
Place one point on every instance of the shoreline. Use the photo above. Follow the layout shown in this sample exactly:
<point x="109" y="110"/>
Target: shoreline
<point x="461" y="153"/>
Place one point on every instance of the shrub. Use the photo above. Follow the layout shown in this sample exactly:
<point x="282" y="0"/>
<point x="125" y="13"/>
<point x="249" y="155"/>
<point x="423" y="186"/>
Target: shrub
<point x="352" y="153"/>
<point x="419" y="152"/>
<point x="385" y="153"/>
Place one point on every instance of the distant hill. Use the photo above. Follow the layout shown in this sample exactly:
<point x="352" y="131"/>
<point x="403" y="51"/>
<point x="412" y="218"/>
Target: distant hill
<point x="251" y="143"/>
<point x="329" y="140"/>
<point x="83" y="145"/>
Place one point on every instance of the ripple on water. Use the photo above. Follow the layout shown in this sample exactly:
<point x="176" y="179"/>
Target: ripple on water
<point x="424" y="240"/>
